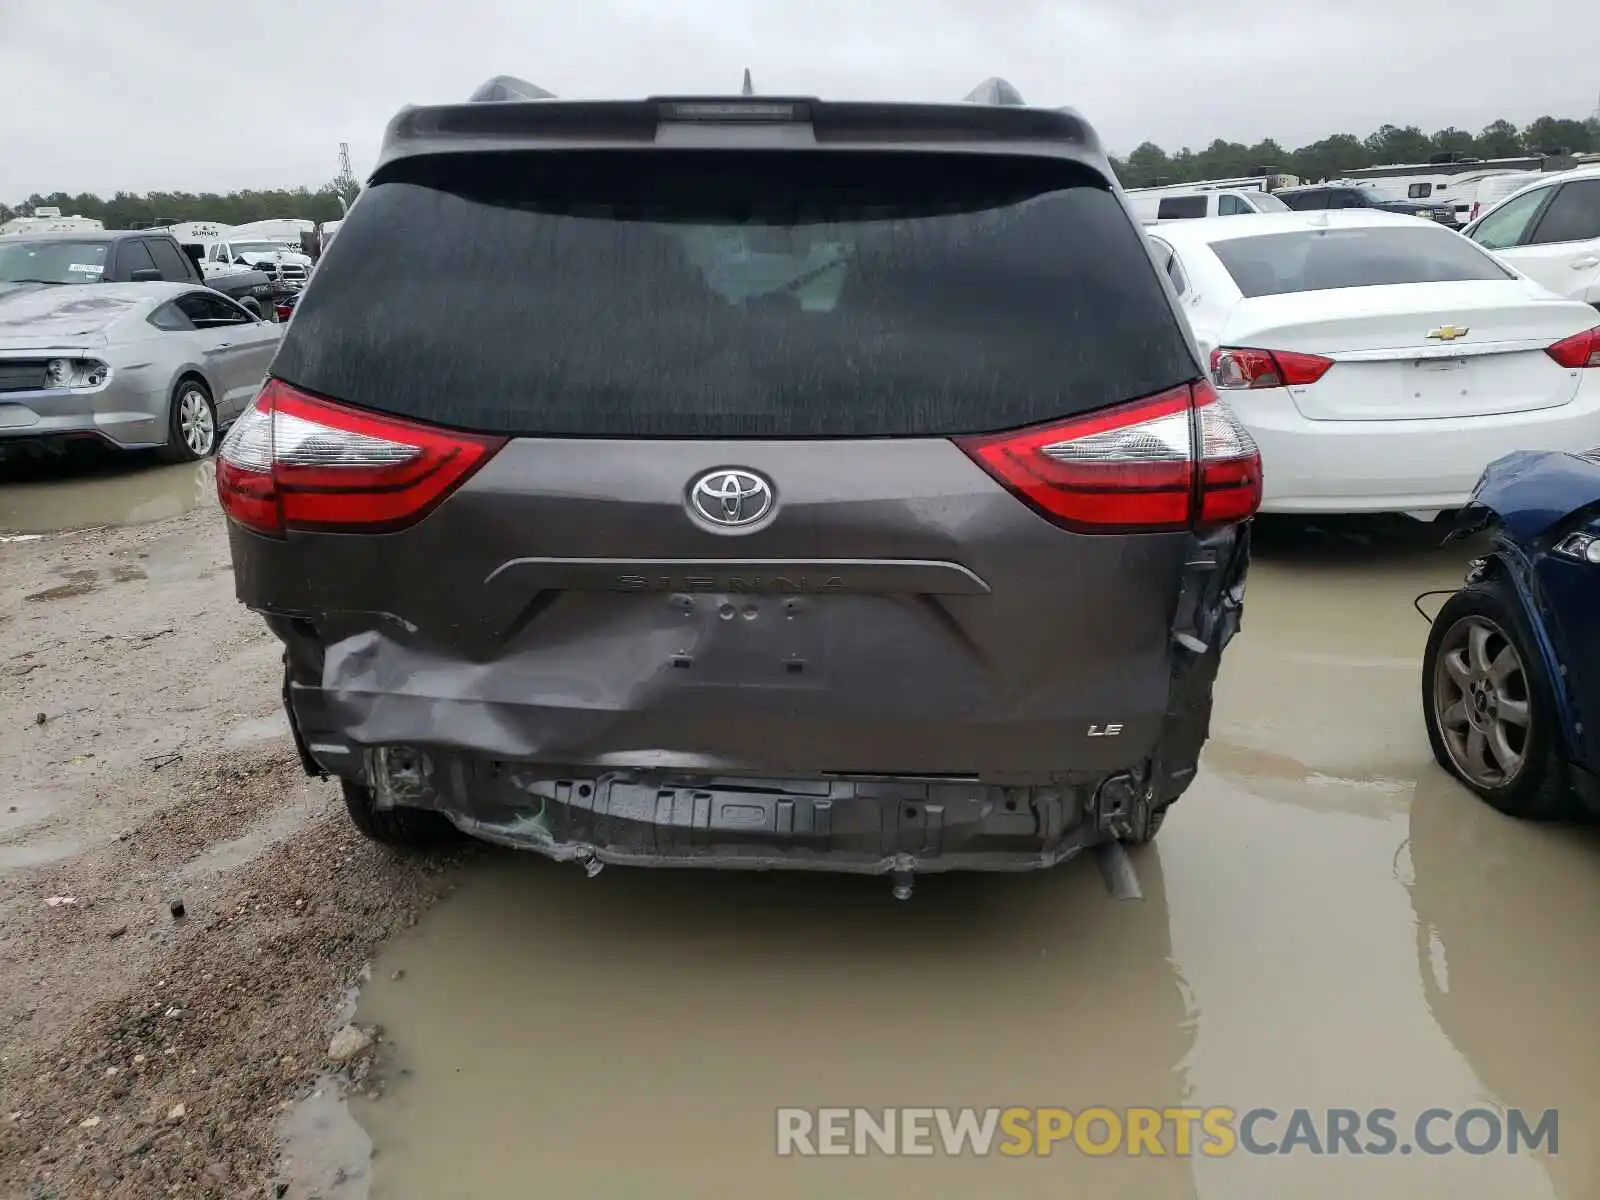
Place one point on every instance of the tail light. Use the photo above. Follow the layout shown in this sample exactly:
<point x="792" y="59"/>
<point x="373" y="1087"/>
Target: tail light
<point x="1241" y="370"/>
<point x="1579" y="350"/>
<point x="1168" y="462"/>
<point x="1473" y="215"/>
<point x="293" y="461"/>
<point x="285" y="311"/>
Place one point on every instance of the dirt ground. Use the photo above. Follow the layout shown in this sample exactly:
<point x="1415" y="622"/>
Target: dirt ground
<point x="141" y="1053"/>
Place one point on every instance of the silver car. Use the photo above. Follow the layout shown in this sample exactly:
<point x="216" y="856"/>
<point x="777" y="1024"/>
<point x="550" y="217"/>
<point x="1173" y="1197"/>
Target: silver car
<point x="136" y="365"/>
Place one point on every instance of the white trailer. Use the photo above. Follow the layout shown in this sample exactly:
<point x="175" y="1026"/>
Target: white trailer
<point x="286" y="230"/>
<point x="49" y="220"/>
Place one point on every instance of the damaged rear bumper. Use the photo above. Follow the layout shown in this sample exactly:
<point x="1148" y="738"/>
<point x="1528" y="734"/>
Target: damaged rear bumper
<point x="858" y="826"/>
<point x="547" y="777"/>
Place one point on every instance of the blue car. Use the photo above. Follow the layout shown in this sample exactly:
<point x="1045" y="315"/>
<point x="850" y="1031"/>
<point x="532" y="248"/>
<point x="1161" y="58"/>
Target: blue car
<point x="1511" y="674"/>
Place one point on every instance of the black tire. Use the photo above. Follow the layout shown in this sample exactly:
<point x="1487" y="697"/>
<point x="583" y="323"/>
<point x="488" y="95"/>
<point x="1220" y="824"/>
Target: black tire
<point x="189" y="390"/>
<point x="1538" y="790"/>
<point x="404" y="828"/>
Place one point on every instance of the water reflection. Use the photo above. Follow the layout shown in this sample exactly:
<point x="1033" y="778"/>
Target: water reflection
<point x="1505" y="945"/>
<point x="100" y="488"/>
<point x="634" y="1035"/>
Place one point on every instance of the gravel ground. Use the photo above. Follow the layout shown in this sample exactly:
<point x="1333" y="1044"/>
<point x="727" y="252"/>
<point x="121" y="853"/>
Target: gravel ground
<point x="144" y="1054"/>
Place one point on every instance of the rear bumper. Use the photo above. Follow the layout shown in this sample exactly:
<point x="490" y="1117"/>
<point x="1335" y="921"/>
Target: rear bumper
<point x="524" y="746"/>
<point x="126" y="421"/>
<point x="1398" y="466"/>
<point x="679" y="816"/>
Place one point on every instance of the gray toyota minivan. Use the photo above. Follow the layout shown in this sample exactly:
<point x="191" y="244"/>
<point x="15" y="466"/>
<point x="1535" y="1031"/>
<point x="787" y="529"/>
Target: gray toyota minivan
<point x="745" y="481"/>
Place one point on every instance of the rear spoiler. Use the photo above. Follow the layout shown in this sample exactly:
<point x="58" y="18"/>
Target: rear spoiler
<point x="993" y="90"/>
<point x="508" y="114"/>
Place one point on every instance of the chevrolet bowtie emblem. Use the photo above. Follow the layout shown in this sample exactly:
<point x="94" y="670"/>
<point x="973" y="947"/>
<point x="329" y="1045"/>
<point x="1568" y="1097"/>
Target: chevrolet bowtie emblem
<point x="1449" y="333"/>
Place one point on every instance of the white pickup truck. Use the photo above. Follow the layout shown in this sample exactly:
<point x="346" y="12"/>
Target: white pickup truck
<point x="224" y="256"/>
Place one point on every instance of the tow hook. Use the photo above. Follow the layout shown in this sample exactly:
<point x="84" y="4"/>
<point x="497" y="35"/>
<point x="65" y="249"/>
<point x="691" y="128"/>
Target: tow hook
<point x="1122" y="807"/>
<point x="401" y="775"/>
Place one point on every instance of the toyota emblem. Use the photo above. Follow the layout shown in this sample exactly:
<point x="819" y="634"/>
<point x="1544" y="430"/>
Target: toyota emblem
<point x="730" y="497"/>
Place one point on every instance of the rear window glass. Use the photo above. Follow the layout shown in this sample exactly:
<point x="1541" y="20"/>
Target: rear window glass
<point x="730" y="295"/>
<point x="1316" y="260"/>
<point x="1181" y="208"/>
<point x="1267" y="202"/>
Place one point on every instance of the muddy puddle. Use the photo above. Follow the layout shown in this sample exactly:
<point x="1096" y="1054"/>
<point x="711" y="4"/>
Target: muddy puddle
<point x="22" y="807"/>
<point x="52" y="495"/>
<point x="15" y="856"/>
<point x="1328" y="922"/>
<point x="254" y="730"/>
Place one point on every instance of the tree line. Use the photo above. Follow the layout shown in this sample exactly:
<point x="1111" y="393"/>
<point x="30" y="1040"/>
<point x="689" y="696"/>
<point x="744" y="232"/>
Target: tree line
<point x="1341" y="153"/>
<point x="1147" y="165"/>
<point x="126" y="210"/>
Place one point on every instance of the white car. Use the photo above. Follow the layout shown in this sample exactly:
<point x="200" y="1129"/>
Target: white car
<point x="1159" y="207"/>
<point x="1550" y="231"/>
<point x="1492" y="189"/>
<point x="1381" y="362"/>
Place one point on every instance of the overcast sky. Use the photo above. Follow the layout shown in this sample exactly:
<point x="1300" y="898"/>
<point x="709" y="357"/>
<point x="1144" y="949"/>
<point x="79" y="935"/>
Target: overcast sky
<point x="101" y="95"/>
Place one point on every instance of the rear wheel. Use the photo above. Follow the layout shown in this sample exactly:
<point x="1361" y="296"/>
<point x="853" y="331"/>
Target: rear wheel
<point x="406" y="828"/>
<point x="1489" y="706"/>
<point x="191" y="422"/>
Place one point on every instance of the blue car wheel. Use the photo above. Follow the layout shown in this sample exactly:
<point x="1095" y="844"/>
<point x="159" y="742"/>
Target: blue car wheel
<point x="1489" y="707"/>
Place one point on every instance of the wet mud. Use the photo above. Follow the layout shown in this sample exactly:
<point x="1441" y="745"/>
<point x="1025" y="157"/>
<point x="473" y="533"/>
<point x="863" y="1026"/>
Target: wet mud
<point x="98" y="488"/>
<point x="1328" y="922"/>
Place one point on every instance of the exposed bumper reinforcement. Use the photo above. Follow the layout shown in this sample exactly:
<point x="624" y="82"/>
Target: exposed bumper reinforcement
<point x="853" y="826"/>
<point x="593" y="856"/>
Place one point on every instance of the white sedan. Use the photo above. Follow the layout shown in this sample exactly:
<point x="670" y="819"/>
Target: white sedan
<point x="1380" y="361"/>
<point x="1549" y="230"/>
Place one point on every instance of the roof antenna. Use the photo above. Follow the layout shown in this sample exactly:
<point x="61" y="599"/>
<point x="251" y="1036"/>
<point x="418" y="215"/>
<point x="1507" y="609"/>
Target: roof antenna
<point x="749" y="88"/>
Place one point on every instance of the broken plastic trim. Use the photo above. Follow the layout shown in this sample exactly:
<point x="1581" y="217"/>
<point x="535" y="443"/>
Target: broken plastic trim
<point x="1209" y="613"/>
